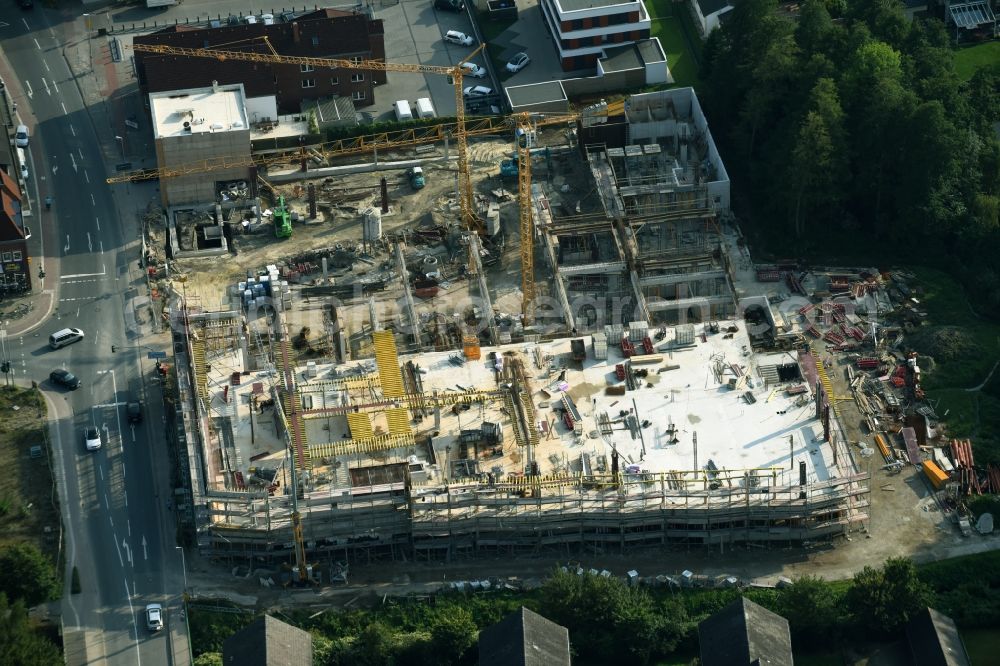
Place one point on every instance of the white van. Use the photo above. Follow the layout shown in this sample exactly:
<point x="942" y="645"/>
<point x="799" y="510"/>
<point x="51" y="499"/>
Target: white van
<point x="424" y="108"/>
<point x="66" y="336"/>
<point x="402" y="108"/>
<point x="22" y="159"/>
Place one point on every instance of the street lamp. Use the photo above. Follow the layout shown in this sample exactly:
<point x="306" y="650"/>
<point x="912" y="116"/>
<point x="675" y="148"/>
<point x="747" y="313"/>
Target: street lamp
<point x="184" y="568"/>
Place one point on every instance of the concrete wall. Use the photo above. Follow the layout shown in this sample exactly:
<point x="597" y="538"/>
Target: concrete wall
<point x="613" y="82"/>
<point x="199" y="188"/>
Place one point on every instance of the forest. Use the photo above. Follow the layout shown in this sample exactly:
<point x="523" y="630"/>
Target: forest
<point x="852" y="138"/>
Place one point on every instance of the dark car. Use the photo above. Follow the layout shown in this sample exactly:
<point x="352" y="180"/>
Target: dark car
<point x="26" y="4"/>
<point x="65" y="378"/>
<point x="134" y="412"/>
<point x="450" y="5"/>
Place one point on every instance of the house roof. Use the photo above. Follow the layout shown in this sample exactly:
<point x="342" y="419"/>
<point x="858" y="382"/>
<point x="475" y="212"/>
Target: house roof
<point x="524" y="638"/>
<point x="709" y="7"/>
<point x="10" y="209"/>
<point x="934" y="640"/>
<point x="743" y="633"/>
<point x="621" y="58"/>
<point x="268" y="642"/>
<point x="536" y="93"/>
<point x="651" y="50"/>
<point x="322" y="33"/>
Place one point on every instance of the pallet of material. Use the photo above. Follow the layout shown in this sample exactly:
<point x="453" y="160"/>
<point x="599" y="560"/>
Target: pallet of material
<point x="647" y="359"/>
<point x="798" y="389"/>
<point x="813" y="331"/>
<point x="615" y="390"/>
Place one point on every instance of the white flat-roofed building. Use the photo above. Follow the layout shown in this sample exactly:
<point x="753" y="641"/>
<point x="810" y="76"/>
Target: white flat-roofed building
<point x="197" y="125"/>
<point x="583" y="29"/>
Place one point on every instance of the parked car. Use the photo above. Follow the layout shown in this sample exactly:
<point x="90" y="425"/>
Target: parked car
<point x="21" y="136"/>
<point x="450" y="5"/>
<point x="154" y="617"/>
<point x="92" y="438"/>
<point x="518" y="62"/>
<point x="473" y="70"/>
<point x="460" y="38"/>
<point x="477" y="91"/>
<point x="65" y="378"/>
<point x="25" y="4"/>
<point x="134" y="412"/>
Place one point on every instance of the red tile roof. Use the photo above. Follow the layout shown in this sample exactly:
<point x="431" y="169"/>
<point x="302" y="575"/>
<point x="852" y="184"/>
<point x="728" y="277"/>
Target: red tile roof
<point x="10" y="207"/>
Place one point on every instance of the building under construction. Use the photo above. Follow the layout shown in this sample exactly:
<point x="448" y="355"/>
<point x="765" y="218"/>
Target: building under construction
<point x="646" y="415"/>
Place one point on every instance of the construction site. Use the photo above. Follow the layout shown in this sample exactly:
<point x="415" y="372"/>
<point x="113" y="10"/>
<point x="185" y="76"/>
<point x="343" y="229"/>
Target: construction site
<point x="560" y="344"/>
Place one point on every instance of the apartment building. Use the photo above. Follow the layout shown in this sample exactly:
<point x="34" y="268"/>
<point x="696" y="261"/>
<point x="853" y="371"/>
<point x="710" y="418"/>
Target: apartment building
<point x="583" y="29"/>
<point x="324" y="33"/>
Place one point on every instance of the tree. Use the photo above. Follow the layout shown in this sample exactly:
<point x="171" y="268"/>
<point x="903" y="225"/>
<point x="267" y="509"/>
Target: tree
<point x="21" y="645"/>
<point x="812" y="609"/>
<point x="25" y="573"/>
<point x="619" y="620"/>
<point x="373" y="646"/>
<point x="452" y="634"/>
<point x="814" y="28"/>
<point x="208" y="659"/>
<point x="881" y="601"/>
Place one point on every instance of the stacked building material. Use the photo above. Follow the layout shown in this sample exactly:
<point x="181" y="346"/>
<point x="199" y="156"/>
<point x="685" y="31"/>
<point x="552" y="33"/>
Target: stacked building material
<point x="628" y="349"/>
<point x="868" y="362"/>
<point x="813" y="331"/>
<point x="833" y="338"/>
<point x="968" y="479"/>
<point x="993" y="473"/>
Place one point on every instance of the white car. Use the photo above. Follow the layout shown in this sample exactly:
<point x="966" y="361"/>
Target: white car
<point x="518" y="62"/>
<point x="92" y="437"/>
<point x="267" y="19"/>
<point x="473" y="70"/>
<point x="460" y="38"/>
<point x="21" y="136"/>
<point x="477" y="91"/>
<point x="154" y="617"/>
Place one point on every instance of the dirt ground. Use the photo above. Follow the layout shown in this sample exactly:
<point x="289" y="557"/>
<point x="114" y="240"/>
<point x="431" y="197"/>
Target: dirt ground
<point x="343" y="197"/>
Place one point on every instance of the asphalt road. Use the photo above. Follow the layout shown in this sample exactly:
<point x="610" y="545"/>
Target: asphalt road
<point x="113" y="500"/>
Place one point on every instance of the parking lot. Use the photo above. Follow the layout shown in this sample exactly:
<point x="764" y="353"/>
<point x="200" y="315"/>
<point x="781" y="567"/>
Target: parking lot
<point x="414" y="33"/>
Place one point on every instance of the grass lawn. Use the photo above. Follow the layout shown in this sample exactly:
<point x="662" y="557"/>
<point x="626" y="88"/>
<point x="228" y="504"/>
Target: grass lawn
<point x="27" y="505"/>
<point x="973" y="414"/>
<point x="667" y="27"/>
<point x="972" y="58"/>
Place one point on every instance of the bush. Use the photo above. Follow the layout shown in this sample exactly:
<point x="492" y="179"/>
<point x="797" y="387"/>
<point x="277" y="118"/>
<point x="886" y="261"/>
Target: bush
<point x="25" y="573"/>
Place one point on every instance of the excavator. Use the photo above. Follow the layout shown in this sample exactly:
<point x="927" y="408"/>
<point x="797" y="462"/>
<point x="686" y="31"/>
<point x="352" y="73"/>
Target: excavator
<point x="282" y="220"/>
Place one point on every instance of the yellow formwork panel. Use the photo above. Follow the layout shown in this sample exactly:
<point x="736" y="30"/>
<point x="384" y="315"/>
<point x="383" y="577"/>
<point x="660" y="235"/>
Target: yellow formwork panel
<point x="361" y="427"/>
<point x="387" y="360"/>
<point x="398" y="419"/>
<point x="354" y="446"/>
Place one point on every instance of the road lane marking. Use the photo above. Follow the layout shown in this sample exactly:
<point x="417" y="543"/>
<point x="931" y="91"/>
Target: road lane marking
<point x="121" y="562"/>
<point x="90" y="243"/>
<point x="107" y="505"/>
<point x="72" y="158"/>
<point x="46" y="65"/>
<point x="80" y="151"/>
<point x="102" y="246"/>
<point x="31" y="93"/>
<point x="96" y="219"/>
<point x="92" y="201"/>
<point x="80" y="275"/>
<point x="145" y="555"/>
<point x="66" y="249"/>
<point x="109" y="405"/>
<point x="46" y="85"/>
<point x="101" y="470"/>
<point x="86" y="177"/>
<point x="129" y="524"/>
<point x="26" y="26"/>
<point x="33" y="38"/>
<point x="72" y="130"/>
<point x="55" y="86"/>
<point x="131" y="610"/>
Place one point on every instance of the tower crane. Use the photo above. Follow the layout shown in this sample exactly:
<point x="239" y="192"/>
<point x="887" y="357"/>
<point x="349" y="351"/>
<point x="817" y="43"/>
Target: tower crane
<point x="469" y="217"/>
<point x="340" y="148"/>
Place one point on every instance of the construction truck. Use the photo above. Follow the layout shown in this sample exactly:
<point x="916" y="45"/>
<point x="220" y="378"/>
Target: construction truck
<point x="416" y="176"/>
<point x="508" y="168"/>
<point x="282" y="220"/>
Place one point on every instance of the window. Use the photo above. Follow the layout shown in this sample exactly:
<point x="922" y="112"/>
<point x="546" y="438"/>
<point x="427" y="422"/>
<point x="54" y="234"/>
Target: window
<point x="17" y="255"/>
<point x="315" y="41"/>
<point x="6" y="256"/>
<point x="308" y="83"/>
<point x="358" y="95"/>
<point x="357" y="60"/>
<point x="357" y="78"/>
<point x="305" y="69"/>
<point x="335" y="81"/>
